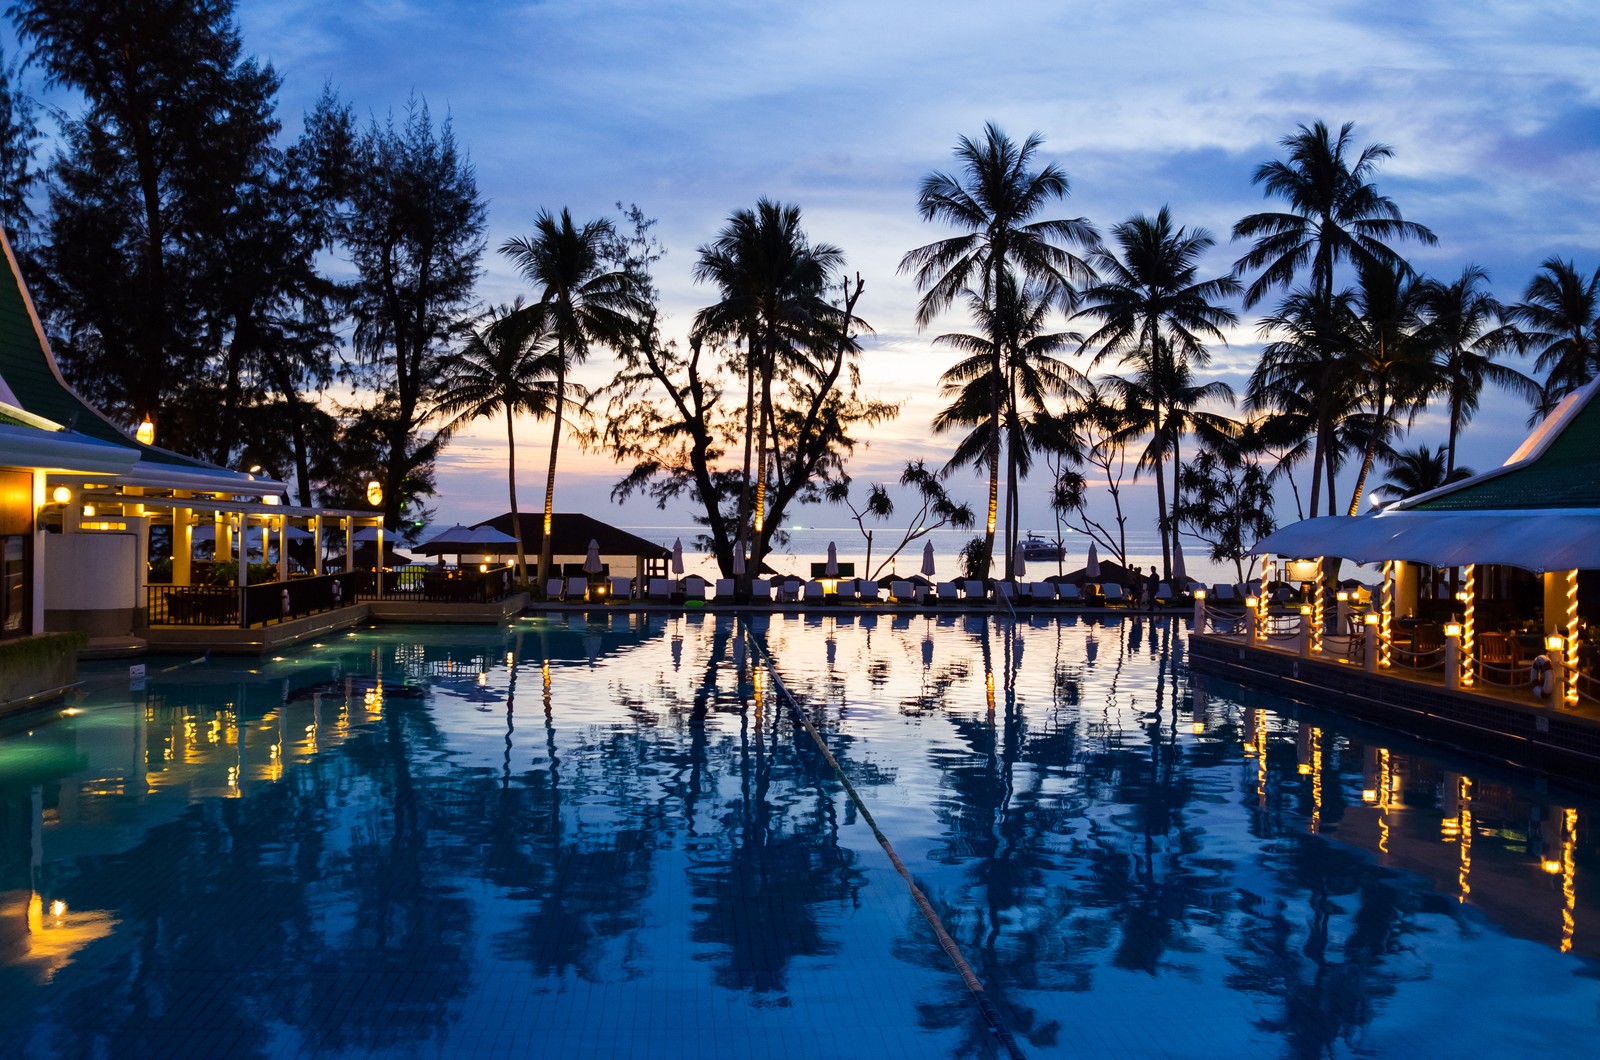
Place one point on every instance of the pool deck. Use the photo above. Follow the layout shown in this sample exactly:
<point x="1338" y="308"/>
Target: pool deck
<point x="1496" y="724"/>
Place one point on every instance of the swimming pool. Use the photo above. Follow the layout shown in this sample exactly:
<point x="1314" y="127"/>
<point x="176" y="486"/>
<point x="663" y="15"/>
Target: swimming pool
<point x="612" y="838"/>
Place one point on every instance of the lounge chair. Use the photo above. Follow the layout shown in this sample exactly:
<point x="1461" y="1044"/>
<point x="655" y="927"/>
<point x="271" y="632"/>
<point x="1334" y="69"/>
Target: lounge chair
<point x="868" y="590"/>
<point x="1164" y="597"/>
<point x="577" y="589"/>
<point x="621" y="588"/>
<point x="974" y="589"/>
<point x="1005" y="592"/>
<point x="948" y="592"/>
<point x="724" y="590"/>
<point x="1070" y="594"/>
<point x="1114" y="596"/>
<point x="815" y="592"/>
<point x="901" y="592"/>
<point x="847" y="590"/>
<point x="789" y="591"/>
<point x="660" y="590"/>
<point x="1042" y="593"/>
<point x="1223" y="594"/>
<point x="554" y="588"/>
<point x="761" y="590"/>
<point x="694" y="588"/>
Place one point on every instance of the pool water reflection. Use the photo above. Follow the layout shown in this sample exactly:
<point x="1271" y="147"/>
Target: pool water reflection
<point x="612" y="839"/>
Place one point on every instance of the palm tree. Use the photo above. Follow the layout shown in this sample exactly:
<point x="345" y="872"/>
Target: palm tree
<point x="1558" y="317"/>
<point x="583" y="302"/>
<point x="1013" y="356"/>
<point x="993" y="202"/>
<point x="773" y="283"/>
<point x="1335" y="214"/>
<point x="1155" y="312"/>
<point x="1414" y="471"/>
<point x="1460" y="317"/>
<point x="1389" y="358"/>
<point x="506" y="366"/>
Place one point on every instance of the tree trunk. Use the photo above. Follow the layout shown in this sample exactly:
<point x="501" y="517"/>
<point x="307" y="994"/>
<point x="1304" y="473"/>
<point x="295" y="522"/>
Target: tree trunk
<point x="1177" y="545"/>
<point x="550" y="477"/>
<point x="511" y="479"/>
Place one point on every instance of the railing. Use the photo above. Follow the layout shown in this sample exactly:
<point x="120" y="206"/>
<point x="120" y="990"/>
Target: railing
<point x="422" y="584"/>
<point x="264" y="604"/>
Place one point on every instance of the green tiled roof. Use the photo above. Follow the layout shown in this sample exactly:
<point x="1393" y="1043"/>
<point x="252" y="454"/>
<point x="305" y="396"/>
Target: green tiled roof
<point x="25" y="366"/>
<point x="1565" y="475"/>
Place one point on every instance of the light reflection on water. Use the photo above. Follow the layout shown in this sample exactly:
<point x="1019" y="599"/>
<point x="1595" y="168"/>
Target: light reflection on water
<point x="610" y="838"/>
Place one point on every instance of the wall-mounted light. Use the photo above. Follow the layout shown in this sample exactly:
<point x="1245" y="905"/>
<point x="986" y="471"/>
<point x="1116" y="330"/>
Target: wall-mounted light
<point x="145" y="434"/>
<point x="88" y="511"/>
<point x="374" y="493"/>
<point x="61" y="494"/>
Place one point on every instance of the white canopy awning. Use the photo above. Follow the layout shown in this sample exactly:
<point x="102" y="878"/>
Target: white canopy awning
<point x="1533" y="540"/>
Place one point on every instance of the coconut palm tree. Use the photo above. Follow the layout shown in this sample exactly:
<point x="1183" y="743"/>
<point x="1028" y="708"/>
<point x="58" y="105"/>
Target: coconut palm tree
<point x="773" y="284"/>
<point x="1390" y="359"/>
<point x="583" y="301"/>
<point x="1334" y="214"/>
<point x="993" y="201"/>
<point x="1014" y="356"/>
<point x="1462" y="333"/>
<point x="1559" y="316"/>
<point x="507" y="366"/>
<point x="1153" y="309"/>
<point x="1414" y="471"/>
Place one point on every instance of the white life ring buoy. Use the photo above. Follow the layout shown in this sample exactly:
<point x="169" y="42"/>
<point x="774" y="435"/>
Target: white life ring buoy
<point x="286" y="603"/>
<point x="1544" y="676"/>
<point x="338" y="592"/>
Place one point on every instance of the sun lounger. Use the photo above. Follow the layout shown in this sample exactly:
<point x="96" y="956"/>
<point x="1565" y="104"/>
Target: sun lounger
<point x="724" y="590"/>
<point x="948" y="592"/>
<point x="1164" y="597"/>
<point x="554" y="588"/>
<point x="1113" y="594"/>
<point x="869" y="591"/>
<point x="577" y="589"/>
<point x="660" y="590"/>
<point x="761" y="590"/>
<point x="1042" y="593"/>
<point x="902" y="592"/>
<point x="815" y="592"/>
<point x="621" y="588"/>
<point x="789" y="591"/>
<point x="694" y="588"/>
<point x="974" y="589"/>
<point x="847" y="590"/>
<point x="1070" y="594"/>
<point x="1005" y="592"/>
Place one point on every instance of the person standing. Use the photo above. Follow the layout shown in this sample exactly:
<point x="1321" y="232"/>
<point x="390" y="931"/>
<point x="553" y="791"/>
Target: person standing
<point x="1152" y="586"/>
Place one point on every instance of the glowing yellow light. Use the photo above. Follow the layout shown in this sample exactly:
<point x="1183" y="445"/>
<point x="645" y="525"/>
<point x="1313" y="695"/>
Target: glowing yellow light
<point x="483" y="680"/>
<point x="58" y="908"/>
<point x="1199" y="727"/>
<point x="146" y="432"/>
<point x="1343" y="596"/>
<point x="1551" y="865"/>
<point x="1452" y="629"/>
<point x="1199" y="594"/>
<point x="374" y="493"/>
<point x="1371" y="620"/>
<point x="1554" y="642"/>
<point x="1252" y="603"/>
<point x="61" y="495"/>
<point x="1305" y="609"/>
<point x="1304" y="769"/>
<point x="88" y="511"/>
<point x="1369" y="795"/>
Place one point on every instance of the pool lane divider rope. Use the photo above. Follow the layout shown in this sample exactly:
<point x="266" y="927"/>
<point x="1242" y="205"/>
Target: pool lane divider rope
<point x="991" y="1014"/>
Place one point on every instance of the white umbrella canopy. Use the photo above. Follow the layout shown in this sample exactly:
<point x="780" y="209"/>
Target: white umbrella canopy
<point x="738" y="561"/>
<point x="677" y="556"/>
<point x="1019" y="564"/>
<point x="452" y="539"/>
<point x="1091" y="568"/>
<point x="832" y="569"/>
<point x="927" y="559"/>
<point x="591" y="562"/>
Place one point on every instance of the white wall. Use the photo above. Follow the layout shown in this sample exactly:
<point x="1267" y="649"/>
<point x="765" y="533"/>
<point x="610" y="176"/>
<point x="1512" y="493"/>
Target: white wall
<point x="91" y="571"/>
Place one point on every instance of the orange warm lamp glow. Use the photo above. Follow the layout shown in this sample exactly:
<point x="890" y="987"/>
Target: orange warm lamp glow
<point x="1452" y="629"/>
<point x="61" y="494"/>
<point x="145" y="434"/>
<point x="1199" y="594"/>
<point x="374" y="493"/>
<point x="1555" y="642"/>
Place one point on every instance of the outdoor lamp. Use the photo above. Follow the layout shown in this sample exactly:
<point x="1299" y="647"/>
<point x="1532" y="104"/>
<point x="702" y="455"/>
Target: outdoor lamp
<point x="61" y="494"/>
<point x="1452" y="629"/>
<point x="1199" y="594"/>
<point x="483" y="568"/>
<point x="1555" y="642"/>
<point x="1252" y="603"/>
<point x="1370" y="619"/>
<point x="374" y="492"/>
<point x="1305" y="609"/>
<point x="1551" y="865"/>
<point x="146" y="432"/>
<point x="88" y="511"/>
<point x="1343" y="596"/>
<point x="1462" y="596"/>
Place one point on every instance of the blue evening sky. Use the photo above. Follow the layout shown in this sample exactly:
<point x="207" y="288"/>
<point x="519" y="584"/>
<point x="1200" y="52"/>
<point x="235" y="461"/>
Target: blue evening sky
<point x="692" y="110"/>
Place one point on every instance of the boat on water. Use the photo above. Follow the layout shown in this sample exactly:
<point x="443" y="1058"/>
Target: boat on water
<point x="1039" y="548"/>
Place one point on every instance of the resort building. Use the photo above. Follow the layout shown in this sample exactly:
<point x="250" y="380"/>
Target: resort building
<point x="98" y="528"/>
<point x="1490" y="591"/>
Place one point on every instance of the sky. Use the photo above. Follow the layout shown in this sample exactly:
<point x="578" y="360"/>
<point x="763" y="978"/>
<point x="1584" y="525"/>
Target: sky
<point x="694" y="110"/>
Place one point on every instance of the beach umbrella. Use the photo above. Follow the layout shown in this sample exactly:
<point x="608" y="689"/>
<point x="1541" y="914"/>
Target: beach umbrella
<point x="927" y="559"/>
<point x="1091" y="569"/>
<point x="455" y="539"/>
<point x="367" y="535"/>
<point x="677" y="556"/>
<point x="832" y="569"/>
<point x="1019" y="565"/>
<point x="488" y="541"/>
<point x="738" y="562"/>
<point x="591" y="562"/>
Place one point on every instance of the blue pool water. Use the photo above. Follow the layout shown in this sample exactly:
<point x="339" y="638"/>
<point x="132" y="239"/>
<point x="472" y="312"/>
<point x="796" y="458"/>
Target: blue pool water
<point x="612" y="838"/>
